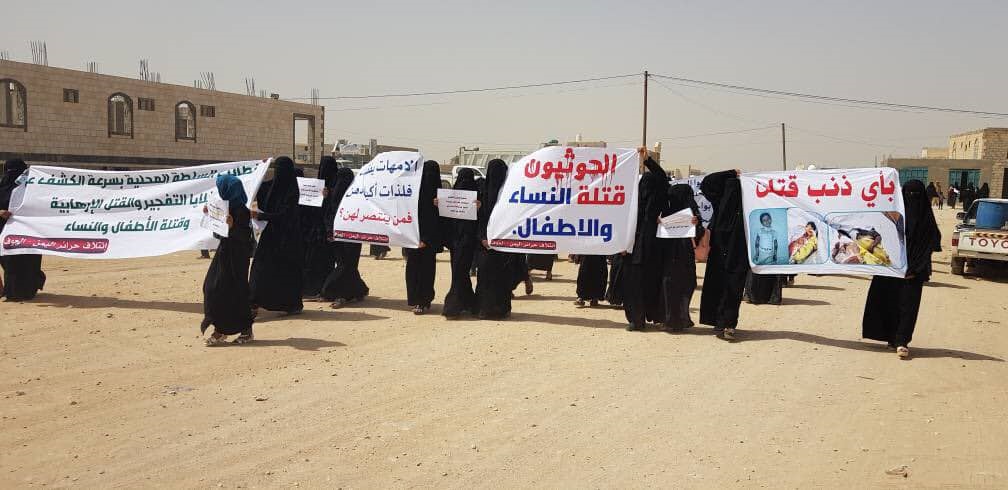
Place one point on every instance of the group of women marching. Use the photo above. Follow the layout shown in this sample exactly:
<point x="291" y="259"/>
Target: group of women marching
<point x="296" y="258"/>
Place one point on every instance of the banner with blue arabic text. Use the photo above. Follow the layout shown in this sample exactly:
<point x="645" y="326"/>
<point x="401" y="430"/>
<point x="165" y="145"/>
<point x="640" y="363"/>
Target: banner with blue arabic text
<point x="562" y="199"/>
<point x="93" y="214"/>
<point x="381" y="204"/>
<point x="825" y="222"/>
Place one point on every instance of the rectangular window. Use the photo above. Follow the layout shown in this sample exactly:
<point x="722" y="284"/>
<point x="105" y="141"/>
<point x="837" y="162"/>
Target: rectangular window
<point x="208" y="111"/>
<point x="146" y="104"/>
<point x="71" y="95"/>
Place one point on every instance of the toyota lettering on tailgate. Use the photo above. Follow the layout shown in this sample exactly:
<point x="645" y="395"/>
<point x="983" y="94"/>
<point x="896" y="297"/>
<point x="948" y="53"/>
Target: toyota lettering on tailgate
<point x="985" y="242"/>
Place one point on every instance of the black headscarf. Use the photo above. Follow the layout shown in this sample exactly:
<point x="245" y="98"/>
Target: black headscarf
<point x="466" y="180"/>
<point x="284" y="184"/>
<point x="12" y="170"/>
<point x="681" y="197"/>
<point x="330" y="205"/>
<point x="923" y="235"/>
<point x="429" y="219"/>
<point x="724" y="191"/>
<point x="984" y="191"/>
<point x="496" y="175"/>
<point x="327" y="170"/>
<point x="652" y="203"/>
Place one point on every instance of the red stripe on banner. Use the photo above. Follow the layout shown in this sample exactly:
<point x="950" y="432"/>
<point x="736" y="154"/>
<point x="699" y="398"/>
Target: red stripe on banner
<point x="363" y="237"/>
<point x="68" y="245"/>
<point x="523" y="244"/>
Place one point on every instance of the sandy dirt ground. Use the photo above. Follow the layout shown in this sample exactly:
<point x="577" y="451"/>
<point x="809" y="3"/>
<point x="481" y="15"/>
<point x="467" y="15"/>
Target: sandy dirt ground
<point x="106" y="383"/>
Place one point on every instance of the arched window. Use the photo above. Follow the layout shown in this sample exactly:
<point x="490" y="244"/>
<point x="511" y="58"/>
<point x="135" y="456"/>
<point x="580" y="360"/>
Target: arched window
<point x="13" y="105"/>
<point x="120" y="115"/>
<point x="185" y="121"/>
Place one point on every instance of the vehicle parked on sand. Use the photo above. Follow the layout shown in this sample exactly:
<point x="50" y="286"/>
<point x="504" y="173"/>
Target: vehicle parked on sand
<point x="981" y="236"/>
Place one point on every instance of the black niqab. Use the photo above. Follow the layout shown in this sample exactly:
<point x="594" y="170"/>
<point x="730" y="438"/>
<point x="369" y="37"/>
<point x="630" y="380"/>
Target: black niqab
<point x="922" y="233"/>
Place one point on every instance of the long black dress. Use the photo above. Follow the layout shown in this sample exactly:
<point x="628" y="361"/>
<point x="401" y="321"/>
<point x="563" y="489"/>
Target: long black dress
<point x="542" y="262"/>
<point x="344" y="282"/>
<point x="278" y="266"/>
<point x="727" y="263"/>
<point x="495" y="278"/>
<point x="764" y="289"/>
<point x="226" y="291"/>
<point x="592" y="277"/>
<point x="890" y="313"/>
<point x="462" y="241"/>
<point x="421" y="263"/>
<point x="320" y="252"/>
<point x="679" y="263"/>
<point x="642" y="300"/>
<point x="614" y="293"/>
<point x="22" y="274"/>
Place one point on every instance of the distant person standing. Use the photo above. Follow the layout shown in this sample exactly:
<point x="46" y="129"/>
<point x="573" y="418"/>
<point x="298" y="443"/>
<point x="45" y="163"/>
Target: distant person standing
<point x="278" y="266"/>
<point x="317" y="223"/>
<point x="968" y="195"/>
<point x="462" y="240"/>
<point x="940" y="198"/>
<point x="591" y="279"/>
<point x="642" y="274"/>
<point x="22" y="274"/>
<point x="727" y="264"/>
<point x="984" y="192"/>
<point x="494" y="279"/>
<point x="226" y="293"/>
<point x="890" y="313"/>
<point x="953" y="195"/>
<point x="679" y="263"/>
<point x="932" y="194"/>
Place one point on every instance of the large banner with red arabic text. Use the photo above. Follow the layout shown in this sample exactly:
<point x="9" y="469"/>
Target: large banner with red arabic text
<point x="573" y="200"/>
<point x="381" y="204"/>
<point x="95" y="214"/>
<point x="825" y="222"/>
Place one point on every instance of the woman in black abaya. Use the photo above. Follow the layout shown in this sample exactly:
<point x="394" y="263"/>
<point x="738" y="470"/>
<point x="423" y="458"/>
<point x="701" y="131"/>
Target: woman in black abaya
<point x="679" y="263"/>
<point x="320" y="253"/>
<point x="226" y="293"/>
<point x="462" y="241"/>
<point x="728" y="262"/>
<point x="22" y="274"/>
<point x="614" y="292"/>
<point x="642" y="301"/>
<point x="495" y="277"/>
<point x="542" y="262"/>
<point x="421" y="262"/>
<point x="278" y="266"/>
<point x="891" y="309"/>
<point x="591" y="279"/>
<point x="344" y="284"/>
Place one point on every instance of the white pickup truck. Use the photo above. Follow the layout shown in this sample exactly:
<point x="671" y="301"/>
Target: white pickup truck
<point x="981" y="236"/>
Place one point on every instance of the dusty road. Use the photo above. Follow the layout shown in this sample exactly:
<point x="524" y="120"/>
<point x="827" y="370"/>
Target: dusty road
<point x="106" y="383"/>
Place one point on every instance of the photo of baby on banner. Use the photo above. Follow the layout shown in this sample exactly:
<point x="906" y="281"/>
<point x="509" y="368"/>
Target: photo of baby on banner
<point x="807" y="242"/>
<point x="867" y="239"/>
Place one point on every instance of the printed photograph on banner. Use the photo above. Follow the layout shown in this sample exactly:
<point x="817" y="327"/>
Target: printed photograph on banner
<point x="872" y="238"/>
<point x="807" y="238"/>
<point x="768" y="236"/>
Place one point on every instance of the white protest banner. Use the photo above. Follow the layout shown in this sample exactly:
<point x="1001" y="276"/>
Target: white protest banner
<point x="216" y="216"/>
<point x="114" y="215"/>
<point x="825" y="222"/>
<point x="575" y="200"/>
<point x="310" y="192"/>
<point x="677" y="225"/>
<point x="706" y="209"/>
<point x="381" y="204"/>
<point x="457" y="204"/>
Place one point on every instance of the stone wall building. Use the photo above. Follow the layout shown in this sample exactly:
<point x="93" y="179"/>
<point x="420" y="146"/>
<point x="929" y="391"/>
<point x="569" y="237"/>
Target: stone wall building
<point x="80" y="119"/>
<point x="975" y="157"/>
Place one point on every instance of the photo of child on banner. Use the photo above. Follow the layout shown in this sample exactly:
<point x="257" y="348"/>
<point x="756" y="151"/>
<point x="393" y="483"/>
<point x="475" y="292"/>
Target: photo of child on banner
<point x="825" y="222"/>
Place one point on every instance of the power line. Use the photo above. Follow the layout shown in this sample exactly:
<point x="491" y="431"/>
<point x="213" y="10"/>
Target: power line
<point x="800" y="95"/>
<point x="471" y="90"/>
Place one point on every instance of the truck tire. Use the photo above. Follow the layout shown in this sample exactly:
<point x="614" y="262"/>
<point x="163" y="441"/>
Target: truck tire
<point x="958" y="265"/>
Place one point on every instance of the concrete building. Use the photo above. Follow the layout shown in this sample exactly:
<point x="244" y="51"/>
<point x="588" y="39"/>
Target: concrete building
<point x="80" y="119"/>
<point x="975" y="157"/>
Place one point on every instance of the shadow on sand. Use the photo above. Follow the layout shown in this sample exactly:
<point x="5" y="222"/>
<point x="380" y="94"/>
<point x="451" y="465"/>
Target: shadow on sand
<point x="296" y="343"/>
<point x="69" y="300"/>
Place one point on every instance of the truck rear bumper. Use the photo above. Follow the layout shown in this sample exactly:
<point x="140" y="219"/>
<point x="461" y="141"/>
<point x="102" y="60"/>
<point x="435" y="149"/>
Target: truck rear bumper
<point x="969" y="254"/>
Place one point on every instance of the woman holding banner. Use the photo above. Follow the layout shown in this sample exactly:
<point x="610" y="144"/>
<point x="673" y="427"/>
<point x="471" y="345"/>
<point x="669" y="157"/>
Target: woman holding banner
<point x="22" y="274"/>
<point x="462" y="239"/>
<point x="278" y="267"/>
<point x="320" y="253"/>
<point x="344" y="284"/>
<point x="728" y="262"/>
<point x="642" y="301"/>
<point x="890" y="313"/>
<point x="226" y="293"/>
<point x="421" y="262"/>
<point x="495" y="277"/>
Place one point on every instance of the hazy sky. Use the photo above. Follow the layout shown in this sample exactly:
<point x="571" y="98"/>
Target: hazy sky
<point x="915" y="52"/>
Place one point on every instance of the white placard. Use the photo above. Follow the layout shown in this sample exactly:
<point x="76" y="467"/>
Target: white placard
<point x="310" y="191"/>
<point x="215" y="219"/>
<point x="562" y="199"/>
<point x="457" y="204"/>
<point x="96" y="214"/>
<point x="825" y="222"/>
<point x="381" y="204"/>
<point x="677" y="225"/>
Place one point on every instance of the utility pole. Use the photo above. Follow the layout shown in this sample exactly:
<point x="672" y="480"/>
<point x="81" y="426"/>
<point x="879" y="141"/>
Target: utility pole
<point x="644" y="134"/>
<point x="783" y="143"/>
